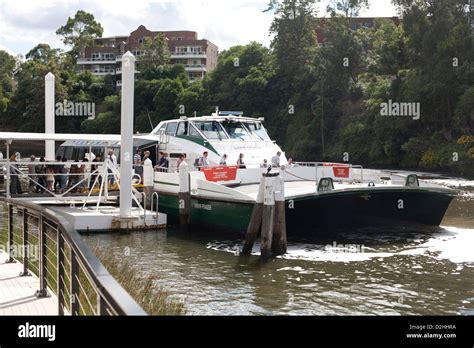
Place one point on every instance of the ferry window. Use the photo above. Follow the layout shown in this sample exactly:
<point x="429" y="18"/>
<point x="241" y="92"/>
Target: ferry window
<point x="193" y="132"/>
<point x="236" y="130"/>
<point x="211" y="129"/>
<point x="171" y="128"/>
<point x="161" y="130"/>
<point x="259" y="130"/>
<point x="182" y="128"/>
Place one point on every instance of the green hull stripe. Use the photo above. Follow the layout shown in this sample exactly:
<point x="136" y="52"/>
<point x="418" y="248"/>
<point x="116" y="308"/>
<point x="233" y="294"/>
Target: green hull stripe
<point x="199" y="141"/>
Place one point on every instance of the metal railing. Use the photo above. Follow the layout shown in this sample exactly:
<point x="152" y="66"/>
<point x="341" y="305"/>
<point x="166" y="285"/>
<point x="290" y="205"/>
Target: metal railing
<point x="49" y="247"/>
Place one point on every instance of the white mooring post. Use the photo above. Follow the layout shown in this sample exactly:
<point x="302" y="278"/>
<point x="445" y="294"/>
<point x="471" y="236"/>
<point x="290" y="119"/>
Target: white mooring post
<point x="184" y="196"/>
<point x="126" y="140"/>
<point x="49" y="148"/>
<point x="279" y="243"/>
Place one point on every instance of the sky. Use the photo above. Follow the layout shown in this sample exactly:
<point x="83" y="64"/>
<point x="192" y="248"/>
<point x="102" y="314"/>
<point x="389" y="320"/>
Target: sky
<point x="26" y="23"/>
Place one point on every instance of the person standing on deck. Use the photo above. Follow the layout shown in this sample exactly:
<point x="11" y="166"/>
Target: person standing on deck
<point x="223" y="161"/>
<point x="240" y="161"/>
<point x="181" y="159"/>
<point x="276" y="160"/>
<point x="203" y="161"/>
<point x="138" y="163"/>
<point x="163" y="164"/>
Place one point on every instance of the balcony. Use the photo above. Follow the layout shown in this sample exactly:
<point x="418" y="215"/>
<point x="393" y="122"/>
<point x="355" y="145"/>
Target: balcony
<point x="183" y="55"/>
<point x="98" y="60"/>
<point x="195" y="67"/>
<point x="102" y="71"/>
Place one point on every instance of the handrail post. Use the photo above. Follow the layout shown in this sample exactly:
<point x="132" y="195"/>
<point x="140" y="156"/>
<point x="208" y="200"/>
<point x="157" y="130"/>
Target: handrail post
<point x="60" y="275"/>
<point x="74" y="284"/>
<point x="101" y="306"/>
<point x="10" y="233"/>
<point x="25" y="246"/>
<point x="42" y="292"/>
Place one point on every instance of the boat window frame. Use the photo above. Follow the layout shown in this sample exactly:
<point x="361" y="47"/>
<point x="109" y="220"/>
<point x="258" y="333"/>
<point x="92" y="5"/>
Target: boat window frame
<point x="161" y="130"/>
<point x="246" y="124"/>
<point x="222" y="135"/>
<point x="186" y="128"/>
<point x="175" y="129"/>
<point x="198" y="132"/>
<point x="250" y="135"/>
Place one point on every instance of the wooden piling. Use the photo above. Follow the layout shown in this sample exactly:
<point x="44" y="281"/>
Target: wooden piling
<point x="184" y="195"/>
<point x="255" y="220"/>
<point x="267" y="216"/>
<point x="279" y="244"/>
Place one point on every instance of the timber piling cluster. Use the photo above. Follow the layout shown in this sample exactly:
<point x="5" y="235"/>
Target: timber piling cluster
<point x="268" y="218"/>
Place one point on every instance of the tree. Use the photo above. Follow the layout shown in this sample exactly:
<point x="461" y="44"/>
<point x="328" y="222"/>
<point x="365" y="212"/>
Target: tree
<point x="349" y="8"/>
<point x="44" y="54"/>
<point x="7" y="66"/>
<point x="79" y="32"/>
<point x="295" y="38"/>
<point x="154" y="53"/>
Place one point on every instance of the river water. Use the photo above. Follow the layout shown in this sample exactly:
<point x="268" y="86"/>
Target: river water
<point x="365" y="271"/>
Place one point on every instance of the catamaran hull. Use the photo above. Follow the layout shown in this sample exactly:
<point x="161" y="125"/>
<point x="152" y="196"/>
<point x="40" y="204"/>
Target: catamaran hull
<point x="305" y="215"/>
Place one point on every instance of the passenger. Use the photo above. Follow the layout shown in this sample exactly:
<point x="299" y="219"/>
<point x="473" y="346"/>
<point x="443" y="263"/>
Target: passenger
<point x="181" y="159"/>
<point x="63" y="175"/>
<point x="15" y="185"/>
<point x="264" y="164"/>
<point x="203" y="161"/>
<point x="49" y="178"/>
<point x="138" y="163"/>
<point x="240" y="161"/>
<point x="57" y="171"/>
<point x="164" y="162"/>
<point x="73" y="178"/>
<point x="290" y="163"/>
<point x="223" y="161"/>
<point x="112" y="162"/>
<point x="41" y="171"/>
<point x="95" y="173"/>
<point x="276" y="159"/>
<point x="80" y="170"/>
<point x="32" y="174"/>
<point x="146" y="155"/>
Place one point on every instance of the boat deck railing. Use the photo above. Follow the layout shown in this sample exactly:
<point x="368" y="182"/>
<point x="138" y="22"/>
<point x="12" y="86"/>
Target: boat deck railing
<point x="46" y="245"/>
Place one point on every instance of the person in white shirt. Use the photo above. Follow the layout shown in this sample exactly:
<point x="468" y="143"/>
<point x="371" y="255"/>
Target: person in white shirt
<point x="203" y="161"/>
<point x="276" y="159"/>
<point x="113" y="161"/>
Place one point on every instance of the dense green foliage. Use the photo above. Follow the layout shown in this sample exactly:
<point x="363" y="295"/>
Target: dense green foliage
<point x="320" y="102"/>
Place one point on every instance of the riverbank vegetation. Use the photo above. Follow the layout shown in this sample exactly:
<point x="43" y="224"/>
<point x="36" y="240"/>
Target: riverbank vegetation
<point x="320" y="101"/>
<point x="143" y="288"/>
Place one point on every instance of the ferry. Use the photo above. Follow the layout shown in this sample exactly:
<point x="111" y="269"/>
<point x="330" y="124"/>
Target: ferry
<point x="316" y="193"/>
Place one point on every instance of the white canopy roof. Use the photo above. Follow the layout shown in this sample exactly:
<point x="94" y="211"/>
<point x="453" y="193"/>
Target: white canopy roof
<point x="57" y="136"/>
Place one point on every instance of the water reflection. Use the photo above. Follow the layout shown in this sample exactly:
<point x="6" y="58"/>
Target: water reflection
<point x="415" y="270"/>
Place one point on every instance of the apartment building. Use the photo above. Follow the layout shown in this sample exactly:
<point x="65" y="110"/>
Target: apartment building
<point x="199" y="56"/>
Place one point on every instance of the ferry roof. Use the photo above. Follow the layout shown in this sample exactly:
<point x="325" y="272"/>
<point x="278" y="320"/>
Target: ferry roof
<point x="216" y="118"/>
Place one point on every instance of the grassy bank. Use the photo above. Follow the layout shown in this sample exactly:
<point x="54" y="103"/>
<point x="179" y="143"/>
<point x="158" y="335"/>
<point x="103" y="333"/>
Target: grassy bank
<point x="152" y="298"/>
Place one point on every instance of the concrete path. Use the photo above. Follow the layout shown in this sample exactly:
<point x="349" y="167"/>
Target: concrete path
<point x="17" y="294"/>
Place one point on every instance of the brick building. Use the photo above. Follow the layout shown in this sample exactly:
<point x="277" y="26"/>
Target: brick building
<point x="199" y="56"/>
